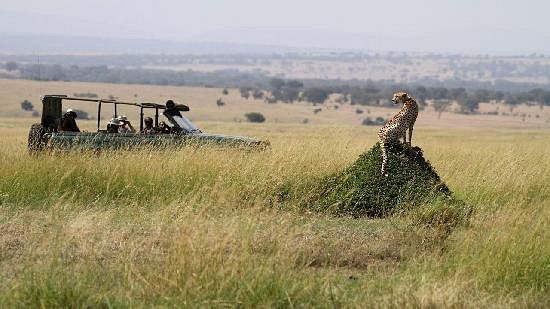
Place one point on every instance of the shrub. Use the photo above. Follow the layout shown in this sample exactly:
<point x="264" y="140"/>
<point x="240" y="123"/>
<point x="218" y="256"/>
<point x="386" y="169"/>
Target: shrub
<point x="220" y="102"/>
<point x="368" y="122"/>
<point x="255" y="117"/>
<point x="26" y="105"/>
<point x="358" y="111"/>
<point x="376" y="122"/>
<point x="225" y="91"/>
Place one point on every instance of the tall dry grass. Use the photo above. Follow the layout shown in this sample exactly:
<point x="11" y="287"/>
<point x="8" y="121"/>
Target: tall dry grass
<point x="217" y="227"/>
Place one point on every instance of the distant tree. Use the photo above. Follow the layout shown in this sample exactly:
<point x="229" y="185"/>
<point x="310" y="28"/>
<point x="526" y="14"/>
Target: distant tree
<point x="255" y="117"/>
<point x="358" y="111"/>
<point x="545" y="99"/>
<point x="343" y="98"/>
<point x="270" y="100"/>
<point x="276" y="83"/>
<point x="285" y="91"/>
<point x="245" y="92"/>
<point x="317" y="110"/>
<point x="225" y="91"/>
<point x="290" y="94"/>
<point x="420" y="91"/>
<point x="316" y="95"/>
<point x="470" y="104"/>
<point x="457" y="94"/>
<point x="277" y="95"/>
<point x="440" y="106"/>
<point x="440" y="93"/>
<point x="26" y="105"/>
<point x="220" y="102"/>
<point x="294" y="84"/>
<point x="11" y="66"/>
<point x="257" y="94"/>
<point x="511" y="100"/>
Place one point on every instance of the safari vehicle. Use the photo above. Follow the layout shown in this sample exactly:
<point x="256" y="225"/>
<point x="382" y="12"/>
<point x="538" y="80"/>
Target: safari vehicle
<point x="46" y="135"/>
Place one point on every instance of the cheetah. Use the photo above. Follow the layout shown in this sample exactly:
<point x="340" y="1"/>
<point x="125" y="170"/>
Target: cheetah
<point x="397" y="126"/>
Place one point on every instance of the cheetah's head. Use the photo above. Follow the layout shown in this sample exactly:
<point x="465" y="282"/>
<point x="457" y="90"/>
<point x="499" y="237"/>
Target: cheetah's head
<point x="400" y="97"/>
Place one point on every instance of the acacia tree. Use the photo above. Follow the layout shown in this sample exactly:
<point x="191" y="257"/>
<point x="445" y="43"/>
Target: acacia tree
<point x="245" y="92"/>
<point x="316" y="95"/>
<point x="440" y="106"/>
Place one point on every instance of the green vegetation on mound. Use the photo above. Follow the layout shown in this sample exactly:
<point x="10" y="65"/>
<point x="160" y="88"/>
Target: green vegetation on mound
<point x="362" y="190"/>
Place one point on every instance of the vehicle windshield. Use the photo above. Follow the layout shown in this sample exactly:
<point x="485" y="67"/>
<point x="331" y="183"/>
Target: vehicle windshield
<point x="186" y="124"/>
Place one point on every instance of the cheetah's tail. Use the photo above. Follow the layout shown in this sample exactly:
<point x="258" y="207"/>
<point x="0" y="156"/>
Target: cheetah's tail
<point x="384" y="158"/>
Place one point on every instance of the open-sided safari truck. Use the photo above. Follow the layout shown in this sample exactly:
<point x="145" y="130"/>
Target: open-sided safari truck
<point x="47" y="135"/>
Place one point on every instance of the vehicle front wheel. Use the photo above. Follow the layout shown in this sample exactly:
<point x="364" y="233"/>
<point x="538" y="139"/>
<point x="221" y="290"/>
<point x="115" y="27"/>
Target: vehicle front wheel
<point x="36" y="142"/>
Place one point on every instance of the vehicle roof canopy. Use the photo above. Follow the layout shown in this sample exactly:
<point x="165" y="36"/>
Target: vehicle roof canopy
<point x="52" y="108"/>
<point x="108" y="101"/>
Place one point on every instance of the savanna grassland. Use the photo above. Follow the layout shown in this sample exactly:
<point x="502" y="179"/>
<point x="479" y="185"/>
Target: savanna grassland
<point x="214" y="227"/>
<point x="202" y="102"/>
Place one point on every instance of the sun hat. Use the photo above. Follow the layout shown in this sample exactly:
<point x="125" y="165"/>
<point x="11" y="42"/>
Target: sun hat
<point x="115" y="121"/>
<point x="72" y="112"/>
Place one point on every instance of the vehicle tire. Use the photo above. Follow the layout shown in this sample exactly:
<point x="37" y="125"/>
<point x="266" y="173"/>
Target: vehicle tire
<point x="36" y="142"/>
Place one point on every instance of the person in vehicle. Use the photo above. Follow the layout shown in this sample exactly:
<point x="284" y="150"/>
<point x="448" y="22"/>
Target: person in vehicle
<point x="113" y="125"/>
<point x="164" y="128"/>
<point x="68" y="122"/>
<point x="173" y="110"/>
<point x="125" y="126"/>
<point x="149" y="129"/>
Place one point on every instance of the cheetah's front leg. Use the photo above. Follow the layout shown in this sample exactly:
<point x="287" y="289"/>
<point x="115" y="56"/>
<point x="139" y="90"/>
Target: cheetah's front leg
<point x="410" y="133"/>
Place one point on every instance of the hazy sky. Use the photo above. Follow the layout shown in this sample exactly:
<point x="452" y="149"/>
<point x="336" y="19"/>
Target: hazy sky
<point x="453" y="25"/>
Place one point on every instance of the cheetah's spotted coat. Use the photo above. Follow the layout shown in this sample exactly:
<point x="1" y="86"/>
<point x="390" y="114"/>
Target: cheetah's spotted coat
<point x="397" y="126"/>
